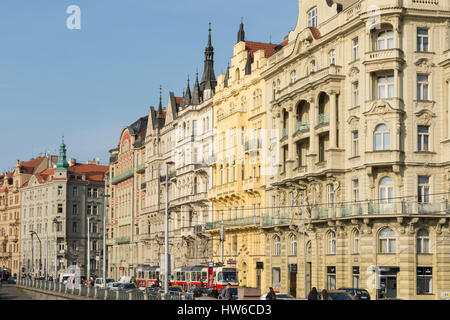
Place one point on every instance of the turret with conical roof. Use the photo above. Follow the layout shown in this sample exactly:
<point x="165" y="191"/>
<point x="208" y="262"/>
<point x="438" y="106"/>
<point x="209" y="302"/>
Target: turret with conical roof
<point x="209" y="78"/>
<point x="62" y="164"/>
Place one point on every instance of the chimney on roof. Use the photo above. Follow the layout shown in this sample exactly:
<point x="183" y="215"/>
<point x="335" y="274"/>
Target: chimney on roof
<point x="72" y="162"/>
<point x="91" y="162"/>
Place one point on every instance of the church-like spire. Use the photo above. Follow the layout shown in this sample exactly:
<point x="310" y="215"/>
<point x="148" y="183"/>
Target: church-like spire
<point x="160" y="111"/>
<point x="187" y="95"/>
<point x="227" y="77"/>
<point x="241" y="32"/>
<point x="196" y="95"/>
<point x="62" y="163"/>
<point x="209" y="77"/>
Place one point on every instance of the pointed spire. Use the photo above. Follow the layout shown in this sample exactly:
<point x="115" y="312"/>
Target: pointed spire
<point x="209" y="78"/>
<point x="62" y="163"/>
<point x="248" y="65"/>
<point x="241" y="32"/>
<point x="187" y="95"/>
<point x="196" y="94"/>
<point x="160" y="111"/>
<point x="227" y="76"/>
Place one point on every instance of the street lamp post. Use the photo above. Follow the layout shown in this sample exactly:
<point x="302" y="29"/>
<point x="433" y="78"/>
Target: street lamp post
<point x="56" y="222"/>
<point x="166" y="242"/>
<point x="104" y="239"/>
<point x="32" y="255"/>
<point x="88" y="275"/>
<point x="40" y="250"/>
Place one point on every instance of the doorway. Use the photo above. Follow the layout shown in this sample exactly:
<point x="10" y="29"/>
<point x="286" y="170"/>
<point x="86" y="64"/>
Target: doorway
<point x="388" y="287"/>
<point x="258" y="278"/>
<point x="293" y="284"/>
<point x="308" y="277"/>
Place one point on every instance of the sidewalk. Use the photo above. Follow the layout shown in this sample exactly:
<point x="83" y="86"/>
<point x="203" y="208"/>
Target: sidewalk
<point x="11" y="292"/>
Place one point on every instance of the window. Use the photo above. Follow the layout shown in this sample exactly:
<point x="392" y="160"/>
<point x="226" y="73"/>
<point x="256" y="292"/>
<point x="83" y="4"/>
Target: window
<point x="74" y="227"/>
<point x="332" y="57"/>
<point x="88" y="210"/>
<point x="312" y="17"/>
<point x="321" y="149"/>
<point x="293" y="245"/>
<point x="95" y="193"/>
<point x="355" y="277"/>
<point x="385" y="87"/>
<point x="75" y="209"/>
<point x="423" y="241"/>
<point x="194" y="127"/>
<point x="355" y="145"/>
<point x="276" y="246"/>
<point x="89" y="192"/>
<point x="422" y="87"/>
<point x="422" y="39"/>
<point x="386" y="190"/>
<point x="356" y="242"/>
<point x="332" y="242"/>
<point x="330" y="194"/>
<point x="424" y="280"/>
<point x="387" y="241"/>
<point x="312" y="65"/>
<point x="423" y="192"/>
<point x="293" y="76"/>
<point x="381" y="138"/>
<point x="331" y="278"/>
<point x="355" y="94"/>
<point x="75" y="191"/>
<point x="355" y="48"/>
<point x="60" y="190"/>
<point x="385" y="40"/>
<point x="423" y="137"/>
<point x="355" y="184"/>
<point x="276" y="277"/>
<point x="94" y="227"/>
<point x="60" y="208"/>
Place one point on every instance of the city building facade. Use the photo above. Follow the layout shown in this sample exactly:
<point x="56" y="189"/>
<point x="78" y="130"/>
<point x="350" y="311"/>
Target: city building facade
<point x="58" y="203"/>
<point x="239" y="162"/>
<point x="125" y="187"/>
<point x="10" y="207"/>
<point x="359" y="98"/>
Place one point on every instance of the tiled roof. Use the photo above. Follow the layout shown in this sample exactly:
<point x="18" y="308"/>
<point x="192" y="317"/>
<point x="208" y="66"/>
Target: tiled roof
<point x="315" y="32"/>
<point x="93" y="172"/>
<point x="178" y="100"/>
<point x="269" y="48"/>
<point x="30" y="166"/>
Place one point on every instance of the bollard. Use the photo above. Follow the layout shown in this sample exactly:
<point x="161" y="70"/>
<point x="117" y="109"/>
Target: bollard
<point x="95" y="292"/>
<point x="117" y="294"/>
<point x="106" y="294"/>
<point x="130" y="295"/>
<point x="88" y="291"/>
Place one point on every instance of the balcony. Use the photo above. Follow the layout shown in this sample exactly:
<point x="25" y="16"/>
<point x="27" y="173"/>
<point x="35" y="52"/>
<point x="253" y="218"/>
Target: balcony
<point x="301" y="126"/>
<point x="140" y="168"/>
<point x="121" y="177"/>
<point x="61" y="253"/>
<point x="324" y="118"/>
<point x="229" y="114"/>
<point x="383" y="55"/>
<point x="253" y="144"/>
<point x="211" y="159"/>
<point x="5" y="255"/>
<point x="238" y="222"/>
<point x="383" y="157"/>
<point x="281" y="219"/>
<point x="251" y="183"/>
<point x="122" y="240"/>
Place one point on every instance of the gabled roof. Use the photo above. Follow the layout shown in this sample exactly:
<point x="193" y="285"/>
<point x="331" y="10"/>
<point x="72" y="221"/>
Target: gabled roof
<point x="30" y="166"/>
<point x="269" y="48"/>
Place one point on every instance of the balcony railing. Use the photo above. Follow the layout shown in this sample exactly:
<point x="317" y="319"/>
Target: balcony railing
<point x="323" y="118"/>
<point x="140" y="168"/>
<point x="211" y="159"/>
<point x="253" y="144"/>
<point x="281" y="219"/>
<point x="121" y="177"/>
<point x="237" y="222"/>
<point x="302" y="126"/>
<point x="122" y="240"/>
<point x="284" y="133"/>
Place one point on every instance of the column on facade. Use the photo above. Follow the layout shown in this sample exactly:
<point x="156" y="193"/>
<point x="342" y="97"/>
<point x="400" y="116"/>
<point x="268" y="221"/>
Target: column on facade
<point x="313" y="122"/>
<point x="291" y="130"/>
<point x="448" y="109"/>
<point x="280" y="130"/>
<point x="397" y="83"/>
<point x="333" y="120"/>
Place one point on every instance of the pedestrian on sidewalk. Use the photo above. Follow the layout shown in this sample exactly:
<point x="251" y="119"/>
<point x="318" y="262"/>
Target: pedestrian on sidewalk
<point x="271" y="295"/>
<point x="325" y="295"/>
<point x="313" y="294"/>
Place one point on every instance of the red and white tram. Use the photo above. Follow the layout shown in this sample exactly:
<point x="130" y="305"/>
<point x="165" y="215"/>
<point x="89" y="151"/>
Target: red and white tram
<point x="187" y="277"/>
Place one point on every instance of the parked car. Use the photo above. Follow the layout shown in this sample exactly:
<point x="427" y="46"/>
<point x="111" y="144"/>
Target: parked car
<point x="234" y="293"/>
<point x="127" y="287"/>
<point x="280" y="296"/>
<point x="358" y="294"/>
<point x="340" y="295"/>
<point x="99" y="282"/>
<point x="190" y="293"/>
<point x="12" y="280"/>
<point x="113" y="285"/>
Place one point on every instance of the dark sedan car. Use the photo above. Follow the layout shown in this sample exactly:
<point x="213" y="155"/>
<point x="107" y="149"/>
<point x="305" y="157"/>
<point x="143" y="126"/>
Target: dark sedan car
<point x="12" y="280"/>
<point x="358" y="294"/>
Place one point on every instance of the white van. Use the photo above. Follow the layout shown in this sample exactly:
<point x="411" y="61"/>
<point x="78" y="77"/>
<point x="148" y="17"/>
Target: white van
<point x="64" y="277"/>
<point x="99" y="282"/>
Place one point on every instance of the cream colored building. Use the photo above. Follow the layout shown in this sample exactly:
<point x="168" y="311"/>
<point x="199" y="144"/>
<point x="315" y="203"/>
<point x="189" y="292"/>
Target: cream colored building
<point x="240" y="162"/>
<point x="359" y="97"/>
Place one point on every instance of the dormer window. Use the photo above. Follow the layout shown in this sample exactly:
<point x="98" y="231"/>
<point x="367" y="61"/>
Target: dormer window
<point x="312" y="17"/>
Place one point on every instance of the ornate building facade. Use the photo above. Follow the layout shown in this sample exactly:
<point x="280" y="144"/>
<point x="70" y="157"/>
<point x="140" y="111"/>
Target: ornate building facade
<point x="125" y="186"/>
<point x="57" y="205"/>
<point x="239" y="162"/>
<point x="10" y="210"/>
<point x="359" y="98"/>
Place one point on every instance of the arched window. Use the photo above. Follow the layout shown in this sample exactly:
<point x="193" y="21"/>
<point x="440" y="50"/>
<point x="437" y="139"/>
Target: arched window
<point x="385" y="40"/>
<point x="423" y="241"/>
<point x="386" y="190"/>
<point x="244" y="104"/>
<point x="238" y="74"/>
<point x="356" y="241"/>
<point x="386" y="241"/>
<point x="276" y="246"/>
<point x="312" y="66"/>
<point x="381" y="138"/>
<point x="293" y="245"/>
<point x="332" y="242"/>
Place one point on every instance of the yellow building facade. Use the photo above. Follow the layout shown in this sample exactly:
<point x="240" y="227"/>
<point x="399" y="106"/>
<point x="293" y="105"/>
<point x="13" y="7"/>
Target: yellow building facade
<point x="239" y="166"/>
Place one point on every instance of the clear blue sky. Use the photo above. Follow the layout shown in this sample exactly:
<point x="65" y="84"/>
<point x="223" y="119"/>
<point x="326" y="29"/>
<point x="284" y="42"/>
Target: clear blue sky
<point x="88" y="84"/>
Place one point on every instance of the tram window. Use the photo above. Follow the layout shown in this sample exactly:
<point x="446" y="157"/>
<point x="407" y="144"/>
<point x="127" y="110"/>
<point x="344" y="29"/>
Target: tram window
<point x="157" y="275"/>
<point x="204" y="275"/>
